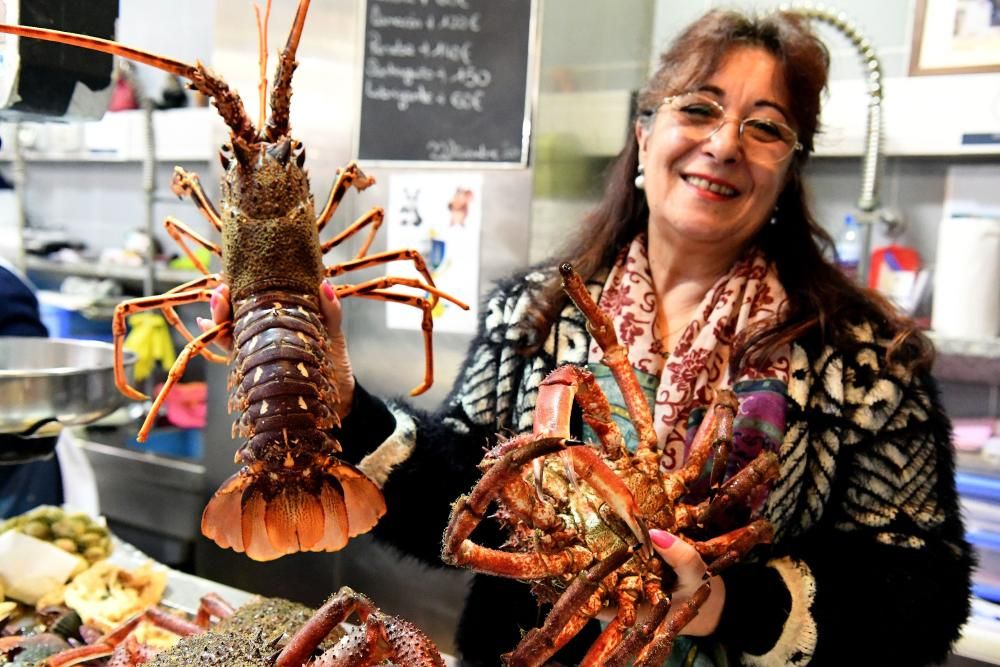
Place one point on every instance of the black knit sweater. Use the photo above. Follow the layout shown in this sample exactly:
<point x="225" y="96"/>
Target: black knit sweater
<point x="868" y="566"/>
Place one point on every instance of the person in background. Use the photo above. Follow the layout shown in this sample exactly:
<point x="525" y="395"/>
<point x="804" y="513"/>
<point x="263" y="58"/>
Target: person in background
<point x="706" y="255"/>
<point x="26" y="479"/>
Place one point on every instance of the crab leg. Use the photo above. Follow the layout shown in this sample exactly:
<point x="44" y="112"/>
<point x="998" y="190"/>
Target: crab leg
<point x="715" y="429"/>
<point x="612" y="635"/>
<point x="656" y="652"/>
<point x="622" y="654"/>
<point x="593" y="470"/>
<point x="725" y="550"/>
<point x="333" y="612"/>
<point x="580" y="602"/>
<point x="601" y="327"/>
<point x="407" y="644"/>
<point x="739" y="487"/>
<point x="556" y="395"/>
<point x="211" y="605"/>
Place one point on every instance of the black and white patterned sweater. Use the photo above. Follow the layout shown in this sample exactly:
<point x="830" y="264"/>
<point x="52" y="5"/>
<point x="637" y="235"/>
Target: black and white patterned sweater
<point x="869" y="565"/>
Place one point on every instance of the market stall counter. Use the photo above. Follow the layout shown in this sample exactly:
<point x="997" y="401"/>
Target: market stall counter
<point x="70" y="588"/>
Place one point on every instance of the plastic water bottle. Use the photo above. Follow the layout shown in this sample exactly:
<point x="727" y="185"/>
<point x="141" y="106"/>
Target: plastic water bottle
<point x="849" y="247"/>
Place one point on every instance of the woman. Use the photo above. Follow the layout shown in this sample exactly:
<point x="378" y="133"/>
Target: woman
<point x="706" y="256"/>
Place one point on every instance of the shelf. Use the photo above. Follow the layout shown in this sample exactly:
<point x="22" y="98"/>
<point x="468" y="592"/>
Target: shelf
<point x="128" y="274"/>
<point x="911" y="126"/>
<point x="181" y="135"/>
<point x="967" y="359"/>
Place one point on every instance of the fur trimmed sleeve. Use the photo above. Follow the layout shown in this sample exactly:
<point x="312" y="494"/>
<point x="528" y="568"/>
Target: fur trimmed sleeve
<point x="425" y="460"/>
<point x="871" y="545"/>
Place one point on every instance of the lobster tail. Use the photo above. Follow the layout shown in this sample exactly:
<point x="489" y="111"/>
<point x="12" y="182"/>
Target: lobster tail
<point x="268" y="514"/>
<point x="293" y="493"/>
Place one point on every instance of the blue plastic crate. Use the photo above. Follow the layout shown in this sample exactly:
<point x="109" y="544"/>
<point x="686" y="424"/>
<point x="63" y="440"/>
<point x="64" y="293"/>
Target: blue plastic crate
<point x="64" y="323"/>
<point x="182" y="443"/>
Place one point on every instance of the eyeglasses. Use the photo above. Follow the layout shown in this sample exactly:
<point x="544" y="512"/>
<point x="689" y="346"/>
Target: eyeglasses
<point x="763" y="139"/>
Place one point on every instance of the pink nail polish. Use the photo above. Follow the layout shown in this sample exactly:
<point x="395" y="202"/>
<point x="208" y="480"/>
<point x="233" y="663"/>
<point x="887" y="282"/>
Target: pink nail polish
<point x="661" y="538"/>
<point x="328" y="291"/>
<point x="214" y="300"/>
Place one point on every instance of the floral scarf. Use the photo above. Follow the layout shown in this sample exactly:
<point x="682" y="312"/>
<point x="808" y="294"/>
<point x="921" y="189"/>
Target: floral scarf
<point x="683" y="380"/>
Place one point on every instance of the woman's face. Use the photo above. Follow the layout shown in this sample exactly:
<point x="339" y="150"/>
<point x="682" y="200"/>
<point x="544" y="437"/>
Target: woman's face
<point x="709" y="191"/>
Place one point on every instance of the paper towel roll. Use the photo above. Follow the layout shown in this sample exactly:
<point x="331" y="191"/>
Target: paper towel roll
<point x="967" y="278"/>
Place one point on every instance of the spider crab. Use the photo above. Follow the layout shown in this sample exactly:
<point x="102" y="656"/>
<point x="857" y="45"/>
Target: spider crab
<point x="578" y="515"/>
<point x="257" y="635"/>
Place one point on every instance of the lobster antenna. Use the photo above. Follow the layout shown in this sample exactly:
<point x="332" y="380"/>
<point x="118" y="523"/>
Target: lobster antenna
<point x="262" y="58"/>
<point x="226" y="100"/>
<point x="281" y="93"/>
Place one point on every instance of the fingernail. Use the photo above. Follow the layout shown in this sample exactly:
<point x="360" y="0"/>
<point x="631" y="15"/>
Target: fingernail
<point x="201" y="321"/>
<point x="328" y="291"/>
<point x="661" y="538"/>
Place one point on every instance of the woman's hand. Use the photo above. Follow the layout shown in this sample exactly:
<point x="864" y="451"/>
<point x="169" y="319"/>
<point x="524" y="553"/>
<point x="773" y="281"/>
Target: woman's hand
<point x="690" y="569"/>
<point x="332" y="314"/>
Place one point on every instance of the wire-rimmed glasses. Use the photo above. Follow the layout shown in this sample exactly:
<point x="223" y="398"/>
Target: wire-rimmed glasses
<point x="763" y="139"/>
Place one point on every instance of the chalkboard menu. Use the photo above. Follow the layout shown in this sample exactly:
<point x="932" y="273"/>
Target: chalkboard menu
<point x="445" y="81"/>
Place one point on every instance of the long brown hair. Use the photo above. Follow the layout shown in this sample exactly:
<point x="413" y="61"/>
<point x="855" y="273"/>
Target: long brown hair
<point x="822" y="300"/>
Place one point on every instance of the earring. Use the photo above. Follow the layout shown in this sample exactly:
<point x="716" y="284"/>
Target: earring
<point x="640" y="178"/>
<point x="774" y="216"/>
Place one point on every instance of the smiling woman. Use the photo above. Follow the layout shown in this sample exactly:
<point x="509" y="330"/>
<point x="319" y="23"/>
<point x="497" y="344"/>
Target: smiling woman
<point x="706" y="259"/>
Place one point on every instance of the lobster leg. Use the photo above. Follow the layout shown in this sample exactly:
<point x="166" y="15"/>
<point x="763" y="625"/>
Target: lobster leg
<point x="185" y="183"/>
<point x="348" y="176"/>
<point x="374" y="217"/>
<point x="178" y="230"/>
<point x="363" y="262"/>
<point x="375" y="289"/>
<point x="390" y="281"/>
<point x="426" y="325"/>
<point x="580" y="602"/>
<point x="177" y="371"/>
<point x="210" y="281"/>
<point x="118" y="327"/>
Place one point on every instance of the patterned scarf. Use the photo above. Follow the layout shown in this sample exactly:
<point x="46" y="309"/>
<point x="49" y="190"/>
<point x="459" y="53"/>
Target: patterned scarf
<point x="683" y="380"/>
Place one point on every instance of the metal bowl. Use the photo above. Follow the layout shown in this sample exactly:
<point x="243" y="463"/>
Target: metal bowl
<point x="47" y="383"/>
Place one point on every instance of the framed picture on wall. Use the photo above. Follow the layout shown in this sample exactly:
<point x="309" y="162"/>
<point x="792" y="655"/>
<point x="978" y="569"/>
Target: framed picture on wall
<point x="956" y="36"/>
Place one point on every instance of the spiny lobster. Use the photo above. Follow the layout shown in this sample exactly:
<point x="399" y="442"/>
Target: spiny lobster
<point x="292" y="493"/>
<point x="578" y="515"/>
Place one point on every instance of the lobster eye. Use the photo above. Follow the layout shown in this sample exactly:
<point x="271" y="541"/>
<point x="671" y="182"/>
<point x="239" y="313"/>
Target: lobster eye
<point x="280" y="151"/>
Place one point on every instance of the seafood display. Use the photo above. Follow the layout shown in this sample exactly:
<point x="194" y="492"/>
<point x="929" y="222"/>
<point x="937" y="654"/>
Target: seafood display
<point x="268" y="632"/>
<point x="292" y="493"/>
<point x="578" y="515"/>
<point x="73" y="532"/>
